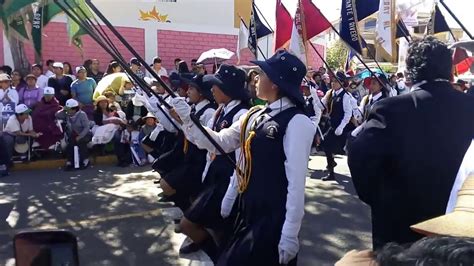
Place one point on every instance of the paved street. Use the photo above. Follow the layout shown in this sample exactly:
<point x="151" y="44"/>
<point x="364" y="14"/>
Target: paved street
<point x="118" y="220"/>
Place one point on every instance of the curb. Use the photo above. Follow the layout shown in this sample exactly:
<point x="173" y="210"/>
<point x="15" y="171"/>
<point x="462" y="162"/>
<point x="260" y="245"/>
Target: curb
<point x="55" y="164"/>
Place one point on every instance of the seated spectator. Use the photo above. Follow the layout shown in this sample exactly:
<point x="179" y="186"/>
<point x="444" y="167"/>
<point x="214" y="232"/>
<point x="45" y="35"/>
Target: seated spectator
<point x="68" y="70"/>
<point x="7" y="93"/>
<point x="135" y="66"/>
<point x="44" y="119"/>
<point x="30" y="95"/>
<point x="113" y="101"/>
<point x="41" y="80"/>
<point x="112" y="68"/>
<point x="150" y="123"/>
<point x="157" y="68"/>
<point x="78" y="133"/>
<point x="18" y="81"/>
<point x="60" y="83"/>
<point x="108" y="120"/>
<point x="136" y="110"/>
<point x="6" y="70"/>
<point x="93" y="70"/>
<point x="82" y="90"/>
<point x="18" y="131"/>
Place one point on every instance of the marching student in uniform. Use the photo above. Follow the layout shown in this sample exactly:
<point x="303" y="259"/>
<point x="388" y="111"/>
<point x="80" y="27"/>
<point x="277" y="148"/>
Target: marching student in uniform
<point x="338" y="105"/>
<point x="184" y="181"/>
<point x="228" y="88"/>
<point x="275" y="140"/>
<point x="376" y="93"/>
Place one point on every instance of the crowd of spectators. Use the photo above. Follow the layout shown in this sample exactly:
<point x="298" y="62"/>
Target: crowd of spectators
<point x="59" y="107"/>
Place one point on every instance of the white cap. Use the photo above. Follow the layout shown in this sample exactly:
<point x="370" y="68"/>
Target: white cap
<point x="58" y="64"/>
<point x="71" y="103"/>
<point x="48" y="91"/>
<point x="4" y="77"/>
<point x="21" y="108"/>
<point x="79" y="68"/>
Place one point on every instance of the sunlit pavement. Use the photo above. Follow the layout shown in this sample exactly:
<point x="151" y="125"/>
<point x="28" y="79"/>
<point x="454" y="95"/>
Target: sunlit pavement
<point x="118" y="220"/>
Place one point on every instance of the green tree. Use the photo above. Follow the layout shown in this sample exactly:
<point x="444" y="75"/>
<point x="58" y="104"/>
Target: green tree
<point x="336" y="55"/>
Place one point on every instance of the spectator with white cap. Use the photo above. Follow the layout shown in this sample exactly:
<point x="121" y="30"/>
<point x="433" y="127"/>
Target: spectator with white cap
<point x="78" y="133"/>
<point x="18" y="129"/>
<point x="30" y="95"/>
<point x="7" y="93"/>
<point x="60" y="83"/>
<point x="82" y="90"/>
<point x="41" y="80"/>
<point x="44" y="119"/>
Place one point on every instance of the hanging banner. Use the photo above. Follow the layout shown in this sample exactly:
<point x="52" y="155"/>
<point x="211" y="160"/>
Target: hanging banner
<point x="36" y="30"/>
<point x="383" y="29"/>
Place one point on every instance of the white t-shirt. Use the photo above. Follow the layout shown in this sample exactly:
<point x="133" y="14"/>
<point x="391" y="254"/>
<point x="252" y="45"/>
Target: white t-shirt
<point x="12" y="94"/>
<point x="42" y="81"/>
<point x="13" y="125"/>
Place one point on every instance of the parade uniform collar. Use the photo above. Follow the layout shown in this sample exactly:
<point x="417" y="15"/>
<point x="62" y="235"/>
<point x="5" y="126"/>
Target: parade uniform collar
<point x="201" y="104"/>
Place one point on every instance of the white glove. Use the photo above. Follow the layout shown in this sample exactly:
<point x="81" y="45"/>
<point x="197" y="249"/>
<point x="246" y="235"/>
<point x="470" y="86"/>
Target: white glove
<point x="314" y="91"/>
<point x="182" y="109"/>
<point x="288" y="248"/>
<point x="229" y="198"/>
<point x="153" y="101"/>
<point x="338" y="131"/>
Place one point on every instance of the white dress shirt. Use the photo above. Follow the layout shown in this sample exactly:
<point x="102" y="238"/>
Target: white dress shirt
<point x="466" y="169"/>
<point x="296" y="144"/>
<point x="346" y="105"/>
<point x="371" y="101"/>
<point x="225" y="109"/>
<point x="160" y="73"/>
<point x="42" y="81"/>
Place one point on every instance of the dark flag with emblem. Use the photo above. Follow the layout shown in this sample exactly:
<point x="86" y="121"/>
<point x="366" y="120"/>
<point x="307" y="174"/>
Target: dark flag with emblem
<point x="437" y="22"/>
<point x="257" y="30"/>
<point x="352" y="12"/>
<point x="402" y="31"/>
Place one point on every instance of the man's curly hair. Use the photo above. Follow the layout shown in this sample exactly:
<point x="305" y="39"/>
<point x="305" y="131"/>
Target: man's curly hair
<point x="429" y="59"/>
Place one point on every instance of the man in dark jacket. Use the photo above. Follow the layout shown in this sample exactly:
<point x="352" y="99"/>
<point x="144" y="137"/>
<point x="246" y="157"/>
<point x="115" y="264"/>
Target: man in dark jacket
<point x="405" y="160"/>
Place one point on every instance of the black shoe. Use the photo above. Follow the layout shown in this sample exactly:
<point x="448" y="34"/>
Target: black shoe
<point x="85" y="166"/>
<point x="329" y="177"/>
<point x="164" y="198"/>
<point x="189" y="248"/>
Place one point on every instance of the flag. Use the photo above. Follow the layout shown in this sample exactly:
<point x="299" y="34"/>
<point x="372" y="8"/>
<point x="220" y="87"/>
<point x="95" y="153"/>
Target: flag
<point x="256" y="31"/>
<point x="464" y="66"/>
<point x="36" y="29"/>
<point x="383" y="29"/>
<point x="350" y="55"/>
<point x="50" y="9"/>
<point x="17" y="25"/>
<point x="437" y="22"/>
<point x="402" y="30"/>
<point x="298" y="41"/>
<point x="314" y="21"/>
<point x="10" y="7"/>
<point x="284" y="26"/>
<point x="242" y="40"/>
<point x="75" y="31"/>
<point x="352" y="12"/>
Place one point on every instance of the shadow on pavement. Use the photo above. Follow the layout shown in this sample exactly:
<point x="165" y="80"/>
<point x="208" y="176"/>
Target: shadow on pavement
<point x="116" y="224"/>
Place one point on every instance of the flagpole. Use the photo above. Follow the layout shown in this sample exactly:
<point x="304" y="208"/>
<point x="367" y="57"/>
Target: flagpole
<point x="405" y="35"/>
<point x="456" y="19"/>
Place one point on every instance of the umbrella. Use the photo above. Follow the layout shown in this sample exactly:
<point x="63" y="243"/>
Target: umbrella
<point x="215" y="56"/>
<point x="106" y="81"/>
<point x="467" y="45"/>
<point x="366" y="73"/>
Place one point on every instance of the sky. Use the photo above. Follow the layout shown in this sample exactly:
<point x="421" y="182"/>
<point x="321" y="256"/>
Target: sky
<point x="331" y="9"/>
